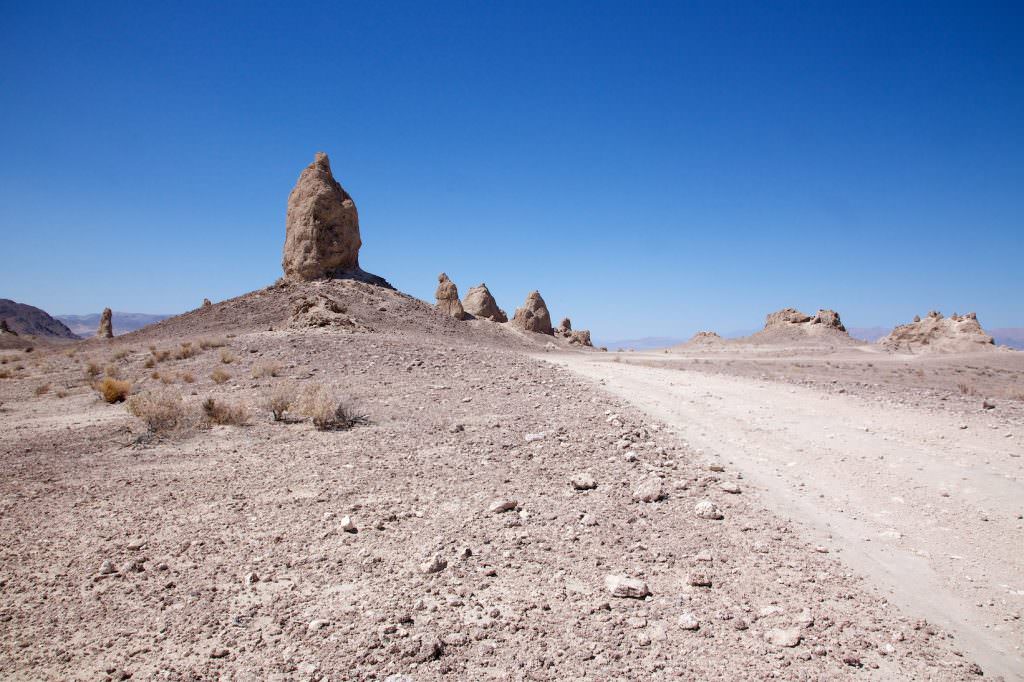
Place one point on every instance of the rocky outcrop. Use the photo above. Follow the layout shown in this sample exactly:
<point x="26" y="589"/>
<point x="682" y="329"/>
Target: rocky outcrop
<point x="580" y="337"/>
<point x="790" y="326"/>
<point x="322" y="226"/>
<point x="937" y="334"/>
<point x="318" y="310"/>
<point x="785" y="316"/>
<point x="705" y="338"/>
<point x="481" y="304"/>
<point x="207" y="303"/>
<point x="534" y="315"/>
<point x="830" y="319"/>
<point x="447" y="296"/>
<point x="4" y="329"/>
<point x="106" y="328"/>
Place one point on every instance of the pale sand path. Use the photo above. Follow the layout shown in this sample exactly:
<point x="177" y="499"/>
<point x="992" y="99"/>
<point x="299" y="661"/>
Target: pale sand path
<point x="928" y="511"/>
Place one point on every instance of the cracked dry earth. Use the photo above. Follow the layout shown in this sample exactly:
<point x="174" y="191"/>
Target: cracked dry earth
<point x="474" y="556"/>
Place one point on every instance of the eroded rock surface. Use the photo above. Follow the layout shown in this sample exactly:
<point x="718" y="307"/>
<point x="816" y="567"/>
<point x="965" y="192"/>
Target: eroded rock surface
<point x="447" y="296"/>
<point x="935" y="333"/>
<point x="106" y="328"/>
<point x="481" y="304"/>
<point x="322" y="225"/>
<point x="534" y="315"/>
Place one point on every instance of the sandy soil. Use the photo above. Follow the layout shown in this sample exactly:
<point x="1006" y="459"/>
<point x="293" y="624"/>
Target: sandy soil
<point x="915" y="486"/>
<point x="491" y="496"/>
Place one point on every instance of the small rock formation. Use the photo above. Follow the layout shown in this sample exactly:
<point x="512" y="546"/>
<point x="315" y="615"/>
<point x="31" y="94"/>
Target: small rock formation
<point x="481" y="304"/>
<point x="703" y="338"/>
<point x="792" y="326"/>
<point x="784" y="317"/>
<point x="447" y="296"/>
<point x="321" y="311"/>
<point x="938" y="334"/>
<point x="534" y="315"/>
<point x="322" y="238"/>
<point x="106" y="329"/>
<point x="579" y="338"/>
<point x="4" y="329"/>
<point x="829" y="318"/>
<point x="207" y="303"/>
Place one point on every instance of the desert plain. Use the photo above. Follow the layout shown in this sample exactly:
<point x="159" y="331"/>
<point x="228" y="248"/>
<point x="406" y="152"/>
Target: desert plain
<point x="328" y="479"/>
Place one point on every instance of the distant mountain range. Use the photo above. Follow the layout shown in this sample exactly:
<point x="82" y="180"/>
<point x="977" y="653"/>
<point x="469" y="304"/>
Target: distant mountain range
<point x="86" y="325"/>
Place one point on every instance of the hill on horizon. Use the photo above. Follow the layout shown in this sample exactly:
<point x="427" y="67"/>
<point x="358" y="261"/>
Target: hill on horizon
<point x="26" y="319"/>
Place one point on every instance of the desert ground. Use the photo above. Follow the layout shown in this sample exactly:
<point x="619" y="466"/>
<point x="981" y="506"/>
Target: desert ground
<point x="506" y="506"/>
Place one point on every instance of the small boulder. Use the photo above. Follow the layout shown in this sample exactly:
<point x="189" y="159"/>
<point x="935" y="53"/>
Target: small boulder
<point x="706" y="509"/>
<point x="783" y="637"/>
<point x="649" y="490"/>
<point x="583" y="481"/>
<point x="447" y="296"/>
<point x="626" y="588"/>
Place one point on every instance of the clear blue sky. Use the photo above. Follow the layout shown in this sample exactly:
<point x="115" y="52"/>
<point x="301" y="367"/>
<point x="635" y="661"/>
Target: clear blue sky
<point x="652" y="168"/>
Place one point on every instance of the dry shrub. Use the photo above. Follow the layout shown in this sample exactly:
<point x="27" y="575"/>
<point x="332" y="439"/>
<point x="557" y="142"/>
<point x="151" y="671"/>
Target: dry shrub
<point x="121" y="354"/>
<point x="966" y="389"/>
<point x="155" y="376"/>
<point x="43" y="389"/>
<point x="206" y="344"/>
<point x="218" y="412"/>
<point x="188" y="377"/>
<point x="150" y="363"/>
<point x="61" y="393"/>
<point x="112" y="371"/>
<point x="5" y="374"/>
<point x="326" y="411"/>
<point x="166" y="378"/>
<point x="226" y="357"/>
<point x="186" y="351"/>
<point x="265" y="369"/>
<point x="219" y="376"/>
<point x="159" y="355"/>
<point x="163" y="412"/>
<point x="113" y="390"/>
<point x="280" y="400"/>
<point x="92" y="370"/>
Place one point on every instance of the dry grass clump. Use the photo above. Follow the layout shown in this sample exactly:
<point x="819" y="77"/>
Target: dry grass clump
<point x="92" y="370"/>
<point x="218" y="412"/>
<point x="159" y="355"/>
<point x="185" y="351"/>
<point x="43" y="389"/>
<point x="280" y="400"/>
<point x="326" y="411"/>
<point x="5" y="374"/>
<point x="121" y="354"/>
<point x="163" y="412"/>
<point x="113" y="390"/>
<point x="188" y="377"/>
<point x="219" y="376"/>
<point x="166" y="378"/>
<point x="206" y="344"/>
<point x="61" y="393"/>
<point x="226" y="357"/>
<point x="265" y="369"/>
<point x="150" y="363"/>
<point x="112" y="371"/>
<point x="966" y="389"/>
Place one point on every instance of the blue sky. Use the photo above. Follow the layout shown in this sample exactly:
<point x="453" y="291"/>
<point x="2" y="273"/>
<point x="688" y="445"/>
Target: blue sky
<point x="652" y="168"/>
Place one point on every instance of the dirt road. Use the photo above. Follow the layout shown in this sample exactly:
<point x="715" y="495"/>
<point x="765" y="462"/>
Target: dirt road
<point x="927" y="506"/>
